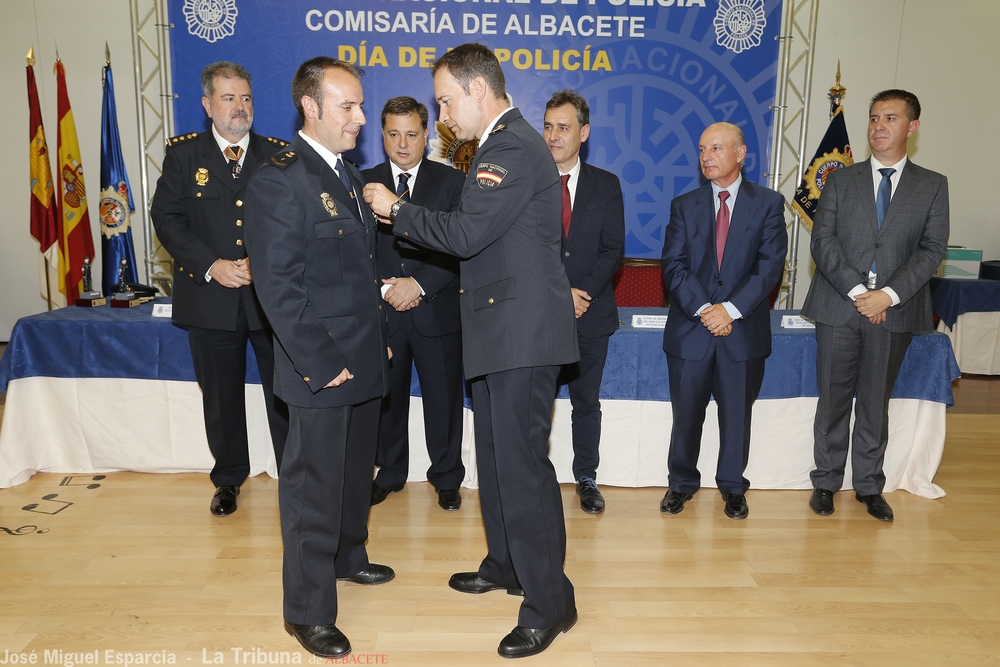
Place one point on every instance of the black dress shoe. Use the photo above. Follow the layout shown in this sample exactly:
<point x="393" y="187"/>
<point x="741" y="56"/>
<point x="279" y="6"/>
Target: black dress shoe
<point x="224" y="500"/>
<point x="522" y="642"/>
<point x="821" y="502"/>
<point x="736" y="505"/>
<point x="373" y="574"/>
<point x="379" y="493"/>
<point x="673" y="502"/>
<point x="877" y="506"/>
<point x="449" y="499"/>
<point x="325" y="641"/>
<point x="591" y="500"/>
<point x="471" y="582"/>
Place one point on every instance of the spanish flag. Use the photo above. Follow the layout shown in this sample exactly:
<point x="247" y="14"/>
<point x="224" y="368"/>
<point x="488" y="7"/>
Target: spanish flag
<point x="43" y="201"/>
<point x="75" y="239"/>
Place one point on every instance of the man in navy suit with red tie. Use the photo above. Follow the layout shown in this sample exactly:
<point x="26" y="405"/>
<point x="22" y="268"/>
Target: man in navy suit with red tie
<point x="723" y="251"/>
<point x="592" y="247"/>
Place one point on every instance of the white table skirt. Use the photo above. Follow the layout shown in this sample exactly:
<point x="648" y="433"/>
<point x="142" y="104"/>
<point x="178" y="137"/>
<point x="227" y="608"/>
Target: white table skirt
<point x="976" y="341"/>
<point x="70" y="425"/>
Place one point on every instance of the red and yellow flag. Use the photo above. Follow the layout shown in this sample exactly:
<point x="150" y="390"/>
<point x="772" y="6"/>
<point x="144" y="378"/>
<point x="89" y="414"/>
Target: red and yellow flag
<point x="43" y="202"/>
<point x="75" y="239"/>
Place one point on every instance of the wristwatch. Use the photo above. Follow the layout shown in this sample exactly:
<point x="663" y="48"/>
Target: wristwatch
<point x="394" y="209"/>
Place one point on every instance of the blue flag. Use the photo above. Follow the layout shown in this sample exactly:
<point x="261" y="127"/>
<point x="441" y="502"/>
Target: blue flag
<point x="116" y="204"/>
<point x="834" y="152"/>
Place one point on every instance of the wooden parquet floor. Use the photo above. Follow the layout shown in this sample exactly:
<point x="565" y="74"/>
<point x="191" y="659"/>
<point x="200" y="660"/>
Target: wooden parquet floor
<point x="136" y="571"/>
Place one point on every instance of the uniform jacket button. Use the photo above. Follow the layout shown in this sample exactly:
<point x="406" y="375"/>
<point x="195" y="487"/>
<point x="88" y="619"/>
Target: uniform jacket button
<point x="239" y="202"/>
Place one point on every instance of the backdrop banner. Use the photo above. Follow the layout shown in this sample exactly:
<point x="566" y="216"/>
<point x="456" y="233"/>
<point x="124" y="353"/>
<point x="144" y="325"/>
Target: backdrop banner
<point x="654" y="72"/>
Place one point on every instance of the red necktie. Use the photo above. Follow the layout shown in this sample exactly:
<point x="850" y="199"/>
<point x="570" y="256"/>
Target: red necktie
<point x="721" y="226"/>
<point x="567" y="207"/>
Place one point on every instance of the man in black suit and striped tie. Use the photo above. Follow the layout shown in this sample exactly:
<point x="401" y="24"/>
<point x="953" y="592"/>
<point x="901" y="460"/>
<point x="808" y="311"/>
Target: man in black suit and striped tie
<point x="880" y="233"/>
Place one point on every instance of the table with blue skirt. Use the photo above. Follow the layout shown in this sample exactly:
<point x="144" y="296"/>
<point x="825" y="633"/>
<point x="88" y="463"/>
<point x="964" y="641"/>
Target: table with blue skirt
<point x="100" y="389"/>
<point x="970" y="317"/>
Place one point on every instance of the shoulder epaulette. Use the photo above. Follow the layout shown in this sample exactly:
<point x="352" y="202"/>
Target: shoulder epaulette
<point x="282" y="160"/>
<point x="499" y="128"/>
<point x="180" y="138"/>
<point x="277" y="142"/>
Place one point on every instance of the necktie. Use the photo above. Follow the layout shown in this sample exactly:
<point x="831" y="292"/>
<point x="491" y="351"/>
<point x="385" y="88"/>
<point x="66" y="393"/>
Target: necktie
<point x="882" y="200"/>
<point x="344" y="176"/>
<point x="403" y="189"/>
<point x="567" y="206"/>
<point x="233" y="154"/>
<point x="721" y="226"/>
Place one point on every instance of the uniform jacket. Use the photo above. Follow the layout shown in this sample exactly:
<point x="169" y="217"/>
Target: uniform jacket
<point x="908" y="248"/>
<point x="595" y="247"/>
<point x="439" y="188"/>
<point x="752" y="263"/>
<point x="312" y="256"/>
<point x="517" y="309"/>
<point x="198" y="212"/>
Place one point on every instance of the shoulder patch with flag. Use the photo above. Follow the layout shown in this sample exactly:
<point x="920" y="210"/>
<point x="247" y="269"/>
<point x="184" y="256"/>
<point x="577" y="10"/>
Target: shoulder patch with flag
<point x="490" y="175"/>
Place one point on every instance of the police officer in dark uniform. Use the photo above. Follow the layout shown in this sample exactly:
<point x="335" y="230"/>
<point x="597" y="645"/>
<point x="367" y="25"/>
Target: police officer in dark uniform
<point x="198" y="212"/>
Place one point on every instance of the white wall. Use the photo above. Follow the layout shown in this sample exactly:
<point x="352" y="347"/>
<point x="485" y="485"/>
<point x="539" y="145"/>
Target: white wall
<point x="942" y="51"/>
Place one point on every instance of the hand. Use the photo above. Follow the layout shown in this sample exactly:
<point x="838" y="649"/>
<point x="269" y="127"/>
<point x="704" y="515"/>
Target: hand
<point x="716" y="319"/>
<point x="344" y="376"/>
<point x="231" y="273"/>
<point x="877" y="319"/>
<point x="872" y="303"/>
<point x="404" y="293"/>
<point x="380" y="199"/>
<point x="390" y="352"/>
<point x="581" y="301"/>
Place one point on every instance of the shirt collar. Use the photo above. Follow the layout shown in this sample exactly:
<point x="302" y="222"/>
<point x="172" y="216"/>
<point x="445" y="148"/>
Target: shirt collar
<point x="223" y="143"/>
<point x="876" y="165"/>
<point x="733" y="188"/>
<point x="412" y="171"/>
<point x="328" y="156"/>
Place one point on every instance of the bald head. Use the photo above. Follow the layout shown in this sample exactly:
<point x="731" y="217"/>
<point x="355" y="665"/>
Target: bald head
<point x="721" y="151"/>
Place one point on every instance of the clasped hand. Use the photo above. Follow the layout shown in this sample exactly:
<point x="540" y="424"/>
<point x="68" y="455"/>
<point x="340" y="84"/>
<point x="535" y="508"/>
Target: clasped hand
<point x="873" y="304"/>
<point x="717" y="320"/>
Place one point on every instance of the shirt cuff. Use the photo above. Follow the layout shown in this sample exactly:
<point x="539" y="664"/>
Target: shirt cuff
<point x="733" y="311"/>
<point x="422" y="292"/>
<point x="892" y="295"/>
<point x="208" y="278"/>
<point x="697" y="313"/>
<point x="858" y="289"/>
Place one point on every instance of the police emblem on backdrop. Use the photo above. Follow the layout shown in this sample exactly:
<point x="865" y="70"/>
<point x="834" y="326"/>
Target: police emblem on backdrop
<point x="739" y="24"/>
<point x="211" y="20"/>
<point x="329" y="204"/>
<point x="113" y="210"/>
<point x="448" y="149"/>
<point x="490" y="175"/>
<point x="201" y="176"/>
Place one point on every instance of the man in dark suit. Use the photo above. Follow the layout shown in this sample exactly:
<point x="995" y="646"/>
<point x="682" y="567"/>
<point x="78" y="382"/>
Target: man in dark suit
<point x="723" y="251"/>
<point x="517" y="330"/>
<point x="198" y="214"/>
<point x="593" y="243"/>
<point x="421" y="288"/>
<point x="880" y="232"/>
<point x="313" y="248"/>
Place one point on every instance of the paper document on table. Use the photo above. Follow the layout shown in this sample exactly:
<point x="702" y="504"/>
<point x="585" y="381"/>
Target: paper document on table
<point x="796" y="322"/>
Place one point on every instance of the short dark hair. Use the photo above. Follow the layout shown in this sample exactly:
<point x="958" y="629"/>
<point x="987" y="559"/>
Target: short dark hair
<point x="308" y="80"/>
<point x="912" y="103"/>
<point x="571" y="97"/>
<point x="404" y="106"/>
<point x="468" y="61"/>
<point x="226" y="70"/>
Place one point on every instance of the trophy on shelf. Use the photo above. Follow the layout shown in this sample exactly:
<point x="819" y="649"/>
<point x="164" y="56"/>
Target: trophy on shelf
<point x="125" y="296"/>
<point x="89" y="298"/>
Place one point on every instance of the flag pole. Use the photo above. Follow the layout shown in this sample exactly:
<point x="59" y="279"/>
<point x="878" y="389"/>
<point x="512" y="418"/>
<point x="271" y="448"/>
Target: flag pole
<point x="45" y="262"/>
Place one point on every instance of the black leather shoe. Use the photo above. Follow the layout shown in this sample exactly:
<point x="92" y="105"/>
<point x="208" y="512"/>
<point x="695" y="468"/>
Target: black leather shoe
<point x="325" y="641"/>
<point x="379" y="493"/>
<point x="673" y="502"/>
<point x="821" y="502"/>
<point x="470" y="582"/>
<point x="224" y="500"/>
<point x="736" y="505"/>
<point x="373" y="574"/>
<point x="877" y="506"/>
<point x="591" y="500"/>
<point x="449" y="499"/>
<point x="522" y="642"/>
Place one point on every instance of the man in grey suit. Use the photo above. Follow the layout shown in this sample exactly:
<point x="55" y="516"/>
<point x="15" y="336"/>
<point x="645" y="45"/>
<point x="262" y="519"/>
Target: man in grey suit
<point x="880" y="232"/>
<point x="518" y="328"/>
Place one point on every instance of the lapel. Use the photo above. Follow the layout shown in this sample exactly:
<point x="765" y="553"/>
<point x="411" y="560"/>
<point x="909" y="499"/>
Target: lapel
<point x="866" y="186"/>
<point x="583" y="192"/>
<point x="904" y="190"/>
<point x="217" y="164"/>
<point x="329" y="182"/>
<point x="739" y="219"/>
<point x="704" y="227"/>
